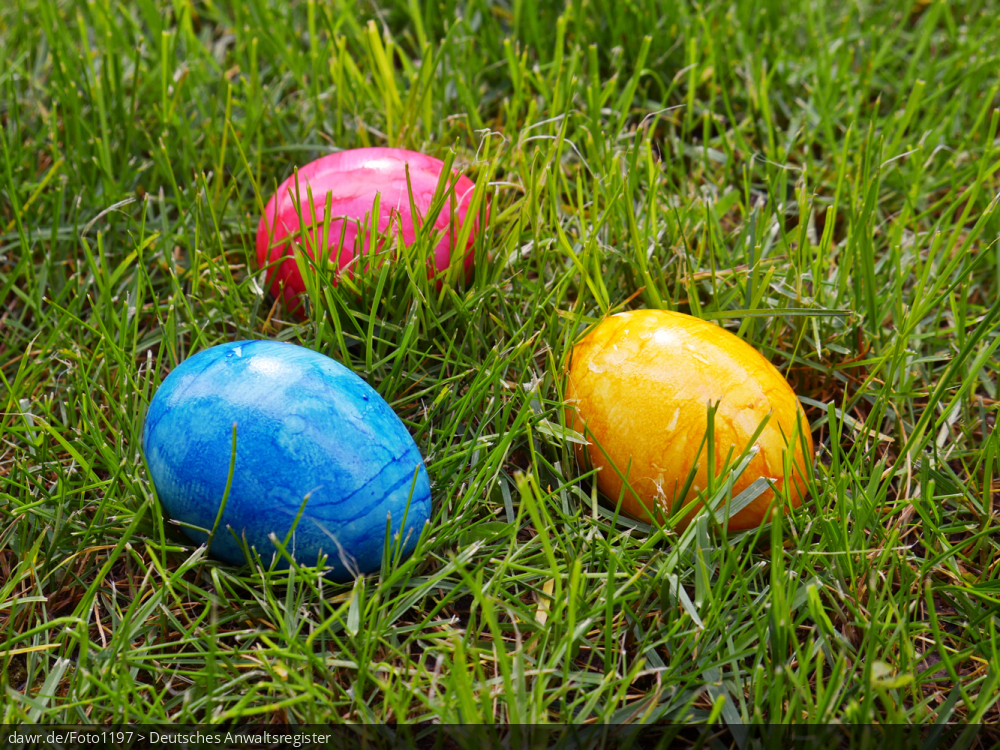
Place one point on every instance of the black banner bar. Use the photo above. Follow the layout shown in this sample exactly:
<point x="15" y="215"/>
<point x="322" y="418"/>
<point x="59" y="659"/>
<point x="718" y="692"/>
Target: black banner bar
<point x="468" y="737"/>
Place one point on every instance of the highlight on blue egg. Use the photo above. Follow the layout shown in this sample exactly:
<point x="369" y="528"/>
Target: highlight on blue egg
<point x="306" y="427"/>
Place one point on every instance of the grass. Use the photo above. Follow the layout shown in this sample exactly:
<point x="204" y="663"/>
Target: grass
<point x="821" y="178"/>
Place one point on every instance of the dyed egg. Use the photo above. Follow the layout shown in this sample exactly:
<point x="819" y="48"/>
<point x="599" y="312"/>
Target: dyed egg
<point x="306" y="426"/>
<point x="353" y="178"/>
<point x="641" y="383"/>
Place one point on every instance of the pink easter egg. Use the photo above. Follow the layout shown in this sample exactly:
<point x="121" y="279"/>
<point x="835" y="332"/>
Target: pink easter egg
<point x="353" y="178"/>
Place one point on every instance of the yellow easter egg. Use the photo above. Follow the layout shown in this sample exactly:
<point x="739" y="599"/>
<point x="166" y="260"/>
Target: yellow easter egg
<point x="639" y="387"/>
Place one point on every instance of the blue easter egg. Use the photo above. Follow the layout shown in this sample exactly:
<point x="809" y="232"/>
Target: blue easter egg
<point x="306" y="426"/>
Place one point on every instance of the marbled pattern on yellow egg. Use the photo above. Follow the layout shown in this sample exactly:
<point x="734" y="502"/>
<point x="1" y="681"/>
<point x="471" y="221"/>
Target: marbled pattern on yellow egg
<point x="642" y="382"/>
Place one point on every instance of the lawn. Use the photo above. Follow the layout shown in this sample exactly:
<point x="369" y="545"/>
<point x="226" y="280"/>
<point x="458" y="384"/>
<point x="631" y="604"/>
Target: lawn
<point x="820" y="178"/>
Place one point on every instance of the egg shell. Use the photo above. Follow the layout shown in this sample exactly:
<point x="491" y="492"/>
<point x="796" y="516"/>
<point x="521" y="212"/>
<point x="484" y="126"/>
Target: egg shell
<point x="641" y="382"/>
<point x="353" y="178"/>
<point x="305" y="425"/>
